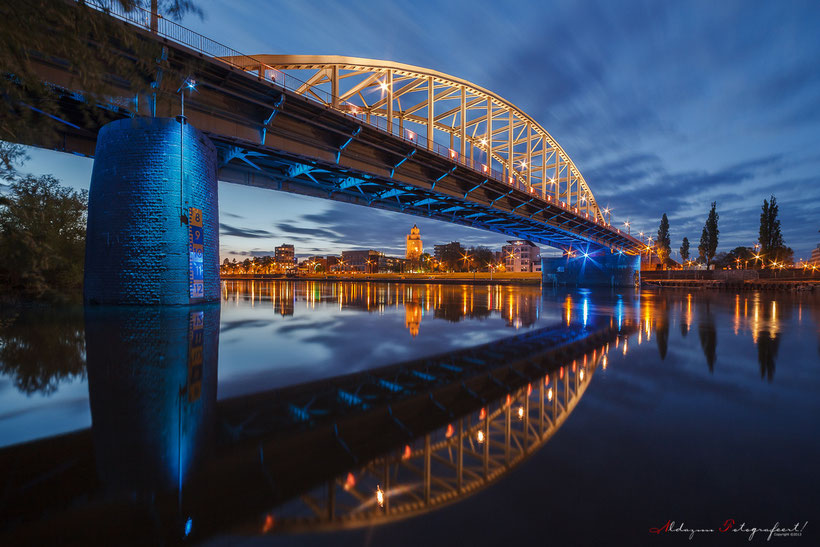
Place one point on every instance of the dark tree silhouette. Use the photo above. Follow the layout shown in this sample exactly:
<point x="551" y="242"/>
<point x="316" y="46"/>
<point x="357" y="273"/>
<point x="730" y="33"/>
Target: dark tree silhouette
<point x="42" y="236"/>
<point x="708" y="335"/>
<point x="767" y="346"/>
<point x="663" y="246"/>
<point x="662" y="327"/>
<point x="684" y="250"/>
<point x="709" y="236"/>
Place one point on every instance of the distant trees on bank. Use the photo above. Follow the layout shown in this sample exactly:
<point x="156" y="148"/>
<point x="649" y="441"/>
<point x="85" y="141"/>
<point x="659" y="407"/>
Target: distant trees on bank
<point x="769" y="252"/>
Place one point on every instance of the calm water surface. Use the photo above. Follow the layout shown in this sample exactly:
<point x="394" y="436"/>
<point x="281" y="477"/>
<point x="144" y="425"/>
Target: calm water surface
<point x="687" y="407"/>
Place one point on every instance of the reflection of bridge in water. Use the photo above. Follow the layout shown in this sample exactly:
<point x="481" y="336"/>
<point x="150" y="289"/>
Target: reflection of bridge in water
<point x="450" y="462"/>
<point x="165" y="453"/>
<point x="516" y="305"/>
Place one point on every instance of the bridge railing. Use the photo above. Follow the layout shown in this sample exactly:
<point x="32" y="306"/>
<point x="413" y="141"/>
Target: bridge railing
<point x="202" y="44"/>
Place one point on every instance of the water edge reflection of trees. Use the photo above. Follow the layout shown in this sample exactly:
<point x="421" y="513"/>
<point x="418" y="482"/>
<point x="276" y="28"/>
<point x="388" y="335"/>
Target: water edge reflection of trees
<point x="708" y="334"/>
<point x="41" y="346"/>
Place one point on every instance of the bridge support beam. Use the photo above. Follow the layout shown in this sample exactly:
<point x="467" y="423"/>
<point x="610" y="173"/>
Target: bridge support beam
<point x="153" y="219"/>
<point x="600" y="269"/>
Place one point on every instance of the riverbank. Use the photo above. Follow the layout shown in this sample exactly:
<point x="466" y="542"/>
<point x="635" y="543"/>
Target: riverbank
<point x="735" y="280"/>
<point x="478" y="278"/>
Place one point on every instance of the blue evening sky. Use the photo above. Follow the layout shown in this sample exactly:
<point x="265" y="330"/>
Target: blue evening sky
<point x="664" y="106"/>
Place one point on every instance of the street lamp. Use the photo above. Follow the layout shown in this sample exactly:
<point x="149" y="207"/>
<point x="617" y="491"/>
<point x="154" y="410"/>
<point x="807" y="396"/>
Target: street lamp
<point x="190" y="85"/>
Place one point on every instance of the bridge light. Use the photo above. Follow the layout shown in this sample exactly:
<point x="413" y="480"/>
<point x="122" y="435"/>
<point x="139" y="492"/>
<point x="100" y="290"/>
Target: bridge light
<point x="484" y="167"/>
<point x="383" y="86"/>
<point x="552" y="180"/>
<point x="511" y="180"/>
<point x="549" y="394"/>
<point x="452" y="153"/>
<point x="586" y="255"/>
<point x="520" y="412"/>
<point x="581" y="375"/>
<point x="410" y="135"/>
<point x="350" y="481"/>
<point x="450" y="431"/>
<point x="379" y="496"/>
<point x="480" y="437"/>
<point x="482" y="142"/>
<point x="523" y="165"/>
<point x="189" y="524"/>
<point x="407" y="452"/>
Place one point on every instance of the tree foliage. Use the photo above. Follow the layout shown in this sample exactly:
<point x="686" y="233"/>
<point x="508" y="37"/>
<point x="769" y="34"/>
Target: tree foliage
<point x="480" y="258"/>
<point x="452" y="257"/>
<point x="88" y="42"/>
<point x="42" y="236"/>
<point x="684" y="250"/>
<point x="663" y="245"/>
<point x="772" y="247"/>
<point x="709" y="236"/>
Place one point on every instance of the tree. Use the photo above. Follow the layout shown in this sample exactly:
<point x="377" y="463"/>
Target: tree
<point x="42" y="236"/>
<point x="684" y="250"/>
<point x="452" y="257"/>
<point x="482" y="257"/>
<point x="772" y="247"/>
<point x="709" y="236"/>
<point x="663" y="246"/>
<point x="89" y="42"/>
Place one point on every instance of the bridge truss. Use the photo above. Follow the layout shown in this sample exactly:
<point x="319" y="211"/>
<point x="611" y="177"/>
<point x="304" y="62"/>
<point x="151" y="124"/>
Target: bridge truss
<point x="362" y="131"/>
<point x="456" y="118"/>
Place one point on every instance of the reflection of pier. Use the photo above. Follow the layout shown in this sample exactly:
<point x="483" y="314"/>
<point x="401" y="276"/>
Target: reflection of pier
<point x="423" y="433"/>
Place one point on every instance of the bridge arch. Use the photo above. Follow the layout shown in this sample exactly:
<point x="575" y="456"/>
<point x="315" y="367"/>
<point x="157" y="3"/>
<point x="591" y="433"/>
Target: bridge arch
<point x="485" y="130"/>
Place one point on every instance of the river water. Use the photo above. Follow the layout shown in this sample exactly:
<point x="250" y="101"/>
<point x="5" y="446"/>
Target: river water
<point x="674" y="411"/>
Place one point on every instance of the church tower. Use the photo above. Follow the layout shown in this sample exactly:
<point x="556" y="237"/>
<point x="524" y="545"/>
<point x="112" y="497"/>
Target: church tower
<point x="414" y="245"/>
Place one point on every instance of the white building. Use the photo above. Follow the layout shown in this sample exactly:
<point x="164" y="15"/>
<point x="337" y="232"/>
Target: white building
<point x="521" y="256"/>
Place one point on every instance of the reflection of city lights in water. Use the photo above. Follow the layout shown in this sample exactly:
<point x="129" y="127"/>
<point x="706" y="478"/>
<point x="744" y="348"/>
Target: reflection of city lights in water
<point x="549" y="394"/>
<point x="267" y="526"/>
<point x="581" y="375"/>
<point x="603" y="362"/>
<point x="379" y="496"/>
<point x="520" y="412"/>
<point x="626" y="343"/>
<point x="480" y="436"/>
<point x="586" y="311"/>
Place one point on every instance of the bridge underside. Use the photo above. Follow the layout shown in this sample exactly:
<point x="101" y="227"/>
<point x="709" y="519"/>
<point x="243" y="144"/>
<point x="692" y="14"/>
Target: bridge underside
<point x="470" y="200"/>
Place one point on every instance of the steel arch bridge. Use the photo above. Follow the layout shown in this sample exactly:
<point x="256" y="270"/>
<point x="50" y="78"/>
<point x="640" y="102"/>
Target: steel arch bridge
<point x="479" y="128"/>
<point x="374" y="133"/>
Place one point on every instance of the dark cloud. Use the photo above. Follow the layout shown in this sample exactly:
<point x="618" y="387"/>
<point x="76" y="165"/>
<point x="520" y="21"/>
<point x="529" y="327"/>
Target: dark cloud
<point x="319" y="233"/>
<point x="228" y="230"/>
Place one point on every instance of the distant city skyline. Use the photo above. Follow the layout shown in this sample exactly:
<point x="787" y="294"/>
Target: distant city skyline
<point x="663" y="107"/>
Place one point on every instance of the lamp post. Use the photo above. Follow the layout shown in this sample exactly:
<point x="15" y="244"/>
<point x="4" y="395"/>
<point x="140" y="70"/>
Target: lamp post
<point x="189" y="84"/>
